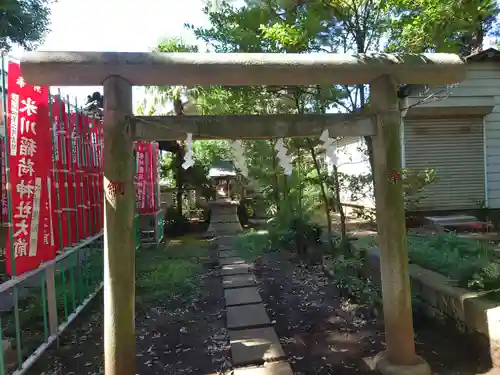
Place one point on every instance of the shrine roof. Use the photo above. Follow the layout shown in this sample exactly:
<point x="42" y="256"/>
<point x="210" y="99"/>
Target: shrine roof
<point x="222" y="168"/>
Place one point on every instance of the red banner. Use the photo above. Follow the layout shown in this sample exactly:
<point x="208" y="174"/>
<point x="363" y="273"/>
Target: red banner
<point x="96" y="174"/>
<point x="156" y="175"/>
<point x="5" y="202"/>
<point x="70" y="211"/>
<point x="140" y="176"/>
<point x="66" y="212"/>
<point x="146" y="178"/>
<point x="93" y="173"/>
<point x="150" y="204"/>
<point x="76" y="161"/>
<point x="88" y="174"/>
<point x="87" y="187"/>
<point x="100" y="175"/>
<point x="29" y="137"/>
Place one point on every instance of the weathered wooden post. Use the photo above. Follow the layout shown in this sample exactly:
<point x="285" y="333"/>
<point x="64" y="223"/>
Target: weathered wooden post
<point x="399" y="358"/>
<point x="119" y="248"/>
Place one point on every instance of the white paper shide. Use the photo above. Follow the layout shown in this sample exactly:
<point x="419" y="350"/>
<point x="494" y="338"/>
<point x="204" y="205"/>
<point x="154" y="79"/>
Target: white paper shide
<point x="284" y="160"/>
<point x="239" y="157"/>
<point x="330" y="147"/>
<point x="188" y="157"/>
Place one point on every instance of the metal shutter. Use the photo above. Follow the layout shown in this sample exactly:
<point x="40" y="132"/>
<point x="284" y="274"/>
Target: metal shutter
<point x="455" y="148"/>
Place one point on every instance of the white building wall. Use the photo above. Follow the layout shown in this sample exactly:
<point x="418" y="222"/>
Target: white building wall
<point x="353" y="160"/>
<point x="480" y="87"/>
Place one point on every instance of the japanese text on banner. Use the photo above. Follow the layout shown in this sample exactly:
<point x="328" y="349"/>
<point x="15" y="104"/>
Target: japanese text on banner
<point x="141" y="176"/>
<point x="29" y="146"/>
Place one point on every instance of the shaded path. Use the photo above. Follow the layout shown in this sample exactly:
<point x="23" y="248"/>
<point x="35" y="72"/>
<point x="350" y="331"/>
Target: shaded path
<point x="181" y="335"/>
<point x="255" y="347"/>
<point x="322" y="336"/>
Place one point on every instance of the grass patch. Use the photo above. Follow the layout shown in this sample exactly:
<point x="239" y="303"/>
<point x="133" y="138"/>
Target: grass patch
<point x="73" y="284"/>
<point x="170" y="272"/>
<point x="470" y="263"/>
<point x="253" y="244"/>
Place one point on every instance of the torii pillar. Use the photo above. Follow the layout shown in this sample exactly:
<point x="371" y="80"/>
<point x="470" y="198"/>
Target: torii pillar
<point x="119" y="233"/>
<point x="399" y="358"/>
<point x="119" y="70"/>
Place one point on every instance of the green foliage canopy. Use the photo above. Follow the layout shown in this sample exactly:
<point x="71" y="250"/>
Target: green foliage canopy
<point x="23" y="23"/>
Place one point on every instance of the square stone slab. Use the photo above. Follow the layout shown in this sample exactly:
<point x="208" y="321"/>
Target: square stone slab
<point x="246" y="316"/>
<point x="238" y="281"/>
<point x="226" y="246"/>
<point x="255" y="346"/>
<point x="228" y="253"/>
<point x="276" y="368"/>
<point x="229" y="261"/>
<point x="236" y="269"/>
<point x="242" y="296"/>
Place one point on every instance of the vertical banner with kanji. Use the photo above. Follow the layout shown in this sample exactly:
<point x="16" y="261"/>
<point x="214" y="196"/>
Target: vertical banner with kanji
<point x="100" y="175"/>
<point x="156" y="175"/>
<point x="77" y="161"/>
<point x="29" y="138"/>
<point x="140" y="176"/>
<point x="55" y="191"/>
<point x="87" y="188"/>
<point x="71" y="209"/>
<point x="60" y="214"/>
<point x="94" y="176"/>
<point x="150" y="204"/>
<point x="5" y="201"/>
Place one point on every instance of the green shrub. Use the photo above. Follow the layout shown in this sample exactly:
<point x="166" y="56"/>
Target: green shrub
<point x="352" y="284"/>
<point x="470" y="263"/>
<point x="414" y="185"/>
<point x="292" y="232"/>
<point x="174" y="224"/>
<point x="253" y="244"/>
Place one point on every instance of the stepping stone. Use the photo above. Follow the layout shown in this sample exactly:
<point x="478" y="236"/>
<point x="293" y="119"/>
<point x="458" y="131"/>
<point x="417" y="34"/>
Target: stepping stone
<point x="225" y="240"/>
<point x="228" y="248"/>
<point x="238" y="281"/>
<point x="275" y="368"/>
<point x="226" y="244"/>
<point x="236" y="269"/>
<point x="229" y="261"/>
<point x="228" y="253"/>
<point x="242" y="296"/>
<point x="246" y="316"/>
<point x="255" y="346"/>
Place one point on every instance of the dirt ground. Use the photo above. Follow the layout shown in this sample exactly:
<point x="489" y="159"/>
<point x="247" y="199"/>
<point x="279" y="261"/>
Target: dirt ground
<point x="321" y="335"/>
<point x="183" y="335"/>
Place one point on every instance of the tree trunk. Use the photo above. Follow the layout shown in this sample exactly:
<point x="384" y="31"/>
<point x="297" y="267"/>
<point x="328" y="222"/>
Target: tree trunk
<point x="179" y="180"/>
<point x="336" y="185"/>
<point x="323" y="192"/>
<point x="299" y="164"/>
<point x="276" y="191"/>
<point x="179" y="183"/>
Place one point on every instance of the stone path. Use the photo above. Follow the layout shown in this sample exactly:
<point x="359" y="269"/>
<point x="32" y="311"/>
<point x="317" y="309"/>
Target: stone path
<point x="255" y="347"/>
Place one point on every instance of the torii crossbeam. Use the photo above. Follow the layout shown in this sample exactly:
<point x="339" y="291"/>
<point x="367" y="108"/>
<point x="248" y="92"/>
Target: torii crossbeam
<point x="119" y="71"/>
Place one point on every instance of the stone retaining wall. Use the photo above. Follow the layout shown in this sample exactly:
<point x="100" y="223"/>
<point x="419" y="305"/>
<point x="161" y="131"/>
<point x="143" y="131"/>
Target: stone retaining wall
<point x="443" y="300"/>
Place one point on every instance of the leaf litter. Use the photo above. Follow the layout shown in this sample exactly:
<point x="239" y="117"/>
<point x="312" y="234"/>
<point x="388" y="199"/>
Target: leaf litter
<point x="183" y="335"/>
<point x="324" y="334"/>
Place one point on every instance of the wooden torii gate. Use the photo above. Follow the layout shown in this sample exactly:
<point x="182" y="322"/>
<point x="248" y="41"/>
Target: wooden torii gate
<point x="118" y="72"/>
